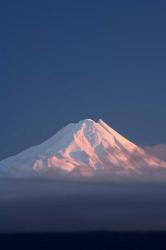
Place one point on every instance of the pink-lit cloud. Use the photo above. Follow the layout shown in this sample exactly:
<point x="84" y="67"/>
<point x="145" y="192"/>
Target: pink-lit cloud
<point x="157" y="150"/>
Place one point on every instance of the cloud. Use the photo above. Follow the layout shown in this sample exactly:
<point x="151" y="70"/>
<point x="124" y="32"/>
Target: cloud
<point x="157" y="150"/>
<point x="73" y="206"/>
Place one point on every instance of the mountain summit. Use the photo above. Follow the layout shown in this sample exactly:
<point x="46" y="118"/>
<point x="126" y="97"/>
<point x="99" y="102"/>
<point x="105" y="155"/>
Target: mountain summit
<point x="86" y="148"/>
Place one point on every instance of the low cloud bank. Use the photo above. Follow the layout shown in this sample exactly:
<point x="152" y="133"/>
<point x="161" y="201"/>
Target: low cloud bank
<point x="28" y="206"/>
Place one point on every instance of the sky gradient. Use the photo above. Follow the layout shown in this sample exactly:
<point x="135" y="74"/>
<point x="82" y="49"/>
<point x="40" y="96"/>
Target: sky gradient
<point x="63" y="61"/>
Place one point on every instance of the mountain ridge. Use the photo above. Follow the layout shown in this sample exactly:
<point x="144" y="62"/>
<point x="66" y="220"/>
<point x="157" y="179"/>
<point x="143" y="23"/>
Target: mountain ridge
<point x="83" y="149"/>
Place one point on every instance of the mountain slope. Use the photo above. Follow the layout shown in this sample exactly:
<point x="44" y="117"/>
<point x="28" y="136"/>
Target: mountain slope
<point x="86" y="148"/>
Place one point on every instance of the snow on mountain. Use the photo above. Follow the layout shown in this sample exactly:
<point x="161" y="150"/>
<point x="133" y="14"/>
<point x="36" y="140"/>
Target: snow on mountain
<point x="86" y="148"/>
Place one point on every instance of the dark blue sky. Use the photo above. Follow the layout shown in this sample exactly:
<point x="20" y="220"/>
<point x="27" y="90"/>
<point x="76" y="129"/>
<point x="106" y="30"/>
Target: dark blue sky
<point x="62" y="61"/>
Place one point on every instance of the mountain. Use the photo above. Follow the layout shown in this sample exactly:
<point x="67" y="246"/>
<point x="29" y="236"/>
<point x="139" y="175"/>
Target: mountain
<point x="84" y="149"/>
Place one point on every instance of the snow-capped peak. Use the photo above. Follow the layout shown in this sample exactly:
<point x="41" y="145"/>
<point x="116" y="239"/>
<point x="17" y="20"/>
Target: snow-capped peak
<point x="83" y="148"/>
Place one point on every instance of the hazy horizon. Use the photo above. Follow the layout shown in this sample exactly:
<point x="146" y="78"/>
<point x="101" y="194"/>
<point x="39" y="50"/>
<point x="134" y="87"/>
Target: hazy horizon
<point x="50" y="206"/>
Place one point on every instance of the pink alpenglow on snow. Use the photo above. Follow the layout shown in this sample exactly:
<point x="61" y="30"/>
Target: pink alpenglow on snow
<point x="85" y="149"/>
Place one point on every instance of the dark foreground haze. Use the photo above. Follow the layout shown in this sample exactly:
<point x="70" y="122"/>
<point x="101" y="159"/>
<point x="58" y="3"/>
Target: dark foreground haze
<point x="57" y="206"/>
<point x="85" y="241"/>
